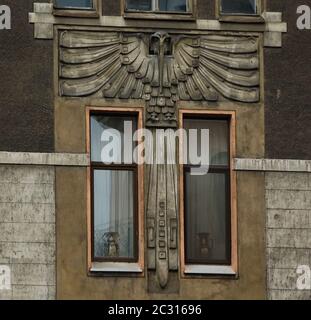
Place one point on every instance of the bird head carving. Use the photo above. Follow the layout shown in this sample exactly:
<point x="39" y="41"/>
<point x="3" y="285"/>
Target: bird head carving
<point x="168" y="69"/>
<point x="160" y="44"/>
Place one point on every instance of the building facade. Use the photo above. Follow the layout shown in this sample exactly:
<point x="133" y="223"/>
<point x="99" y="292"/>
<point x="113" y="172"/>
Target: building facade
<point x="73" y="227"/>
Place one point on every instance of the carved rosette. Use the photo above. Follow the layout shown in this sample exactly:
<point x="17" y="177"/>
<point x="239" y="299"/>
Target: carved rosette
<point x="133" y="66"/>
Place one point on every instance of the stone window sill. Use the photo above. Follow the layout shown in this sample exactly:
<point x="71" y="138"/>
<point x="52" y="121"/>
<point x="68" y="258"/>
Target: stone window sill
<point x="115" y="267"/>
<point x="76" y="13"/>
<point x="241" y="18"/>
<point x="209" y="270"/>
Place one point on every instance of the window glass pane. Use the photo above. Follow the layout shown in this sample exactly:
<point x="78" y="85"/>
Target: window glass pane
<point x="218" y="138"/>
<point x="206" y="219"/>
<point x="74" y="3"/>
<point x="113" y="214"/>
<point x="143" y="5"/>
<point x="115" y="131"/>
<point x="173" y="5"/>
<point x="238" y="6"/>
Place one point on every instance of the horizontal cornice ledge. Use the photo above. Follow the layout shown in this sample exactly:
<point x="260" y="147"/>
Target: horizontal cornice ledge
<point x="120" y="22"/>
<point x="272" y="165"/>
<point x="83" y="160"/>
<point x="44" y="159"/>
<point x="44" y="22"/>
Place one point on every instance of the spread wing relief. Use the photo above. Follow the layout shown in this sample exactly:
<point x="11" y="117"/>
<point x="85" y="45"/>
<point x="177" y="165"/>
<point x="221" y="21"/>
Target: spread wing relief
<point x="214" y="66"/>
<point x="159" y="68"/>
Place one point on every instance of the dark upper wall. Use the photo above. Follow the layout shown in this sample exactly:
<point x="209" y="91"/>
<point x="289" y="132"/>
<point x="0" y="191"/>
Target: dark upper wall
<point x="288" y="89"/>
<point x="26" y="87"/>
<point x="206" y="9"/>
<point x="111" y="7"/>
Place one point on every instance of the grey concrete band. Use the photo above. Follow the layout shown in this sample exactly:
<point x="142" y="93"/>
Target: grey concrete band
<point x="47" y="159"/>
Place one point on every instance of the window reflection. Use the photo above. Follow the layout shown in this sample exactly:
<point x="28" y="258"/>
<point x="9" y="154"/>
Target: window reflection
<point x="173" y="5"/>
<point x="157" y="5"/>
<point x="238" y="6"/>
<point x="74" y="4"/>
<point x="142" y="5"/>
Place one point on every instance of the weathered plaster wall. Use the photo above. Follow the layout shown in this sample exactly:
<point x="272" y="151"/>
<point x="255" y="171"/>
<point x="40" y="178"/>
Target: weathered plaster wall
<point x="287" y="89"/>
<point x="27" y="231"/>
<point x="288" y="202"/>
<point x="26" y="90"/>
<point x="73" y="281"/>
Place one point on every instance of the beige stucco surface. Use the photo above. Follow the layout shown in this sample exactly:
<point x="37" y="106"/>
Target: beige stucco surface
<point x="73" y="280"/>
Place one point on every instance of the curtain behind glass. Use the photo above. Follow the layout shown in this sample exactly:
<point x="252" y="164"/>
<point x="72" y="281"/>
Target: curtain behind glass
<point x="207" y="237"/>
<point x="113" y="213"/>
<point x="207" y="201"/>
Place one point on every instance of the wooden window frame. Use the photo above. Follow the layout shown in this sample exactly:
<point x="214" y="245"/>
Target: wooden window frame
<point x="111" y="266"/>
<point x="162" y="15"/>
<point x="78" y="12"/>
<point x="240" y="17"/>
<point x="131" y="168"/>
<point x="190" y="270"/>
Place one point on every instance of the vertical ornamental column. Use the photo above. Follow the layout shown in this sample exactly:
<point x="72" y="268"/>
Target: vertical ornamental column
<point x="162" y="210"/>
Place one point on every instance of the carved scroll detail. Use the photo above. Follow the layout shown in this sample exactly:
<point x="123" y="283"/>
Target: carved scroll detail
<point x="134" y="66"/>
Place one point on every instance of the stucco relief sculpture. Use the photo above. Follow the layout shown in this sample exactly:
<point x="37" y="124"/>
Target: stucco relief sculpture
<point x="162" y="215"/>
<point x="159" y="68"/>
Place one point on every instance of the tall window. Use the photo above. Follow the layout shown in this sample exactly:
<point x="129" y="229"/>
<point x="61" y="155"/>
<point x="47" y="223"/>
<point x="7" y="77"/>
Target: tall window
<point x="74" y="4"/>
<point x="208" y="226"/>
<point x="157" y="5"/>
<point x="207" y="199"/>
<point x="237" y="7"/>
<point x="115" y="191"/>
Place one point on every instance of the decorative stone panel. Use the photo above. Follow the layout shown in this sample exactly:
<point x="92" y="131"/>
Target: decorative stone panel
<point x="288" y="202"/>
<point x="27" y="231"/>
<point x="160" y="68"/>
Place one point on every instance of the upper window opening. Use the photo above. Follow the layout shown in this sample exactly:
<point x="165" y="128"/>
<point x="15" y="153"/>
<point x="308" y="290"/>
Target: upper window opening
<point x="142" y="5"/>
<point x="74" y="4"/>
<point x="242" y="7"/>
<point x="174" y="5"/>
<point x="207" y="199"/>
<point x="157" y="5"/>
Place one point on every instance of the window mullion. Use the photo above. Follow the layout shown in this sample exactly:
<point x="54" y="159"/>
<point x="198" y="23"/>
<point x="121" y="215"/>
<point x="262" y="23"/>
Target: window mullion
<point x="155" y="5"/>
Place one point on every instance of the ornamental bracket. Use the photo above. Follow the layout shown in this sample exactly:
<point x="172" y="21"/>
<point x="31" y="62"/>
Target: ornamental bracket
<point x="274" y="28"/>
<point x="43" y="20"/>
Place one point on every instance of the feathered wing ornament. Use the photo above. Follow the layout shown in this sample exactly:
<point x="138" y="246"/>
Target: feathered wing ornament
<point x="159" y="68"/>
